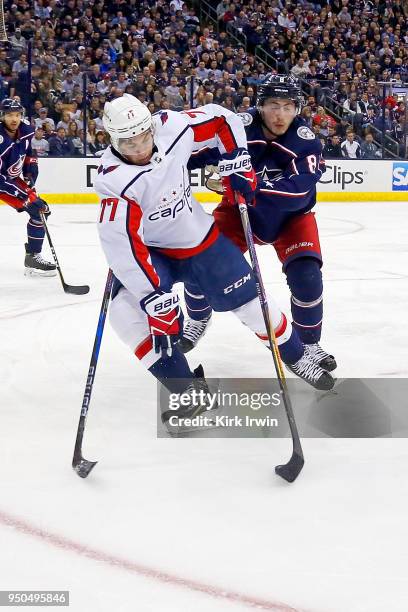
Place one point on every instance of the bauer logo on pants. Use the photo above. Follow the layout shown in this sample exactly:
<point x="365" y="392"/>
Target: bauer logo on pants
<point x="400" y="176"/>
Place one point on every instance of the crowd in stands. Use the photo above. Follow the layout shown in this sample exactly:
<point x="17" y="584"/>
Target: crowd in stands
<point x="84" y="52"/>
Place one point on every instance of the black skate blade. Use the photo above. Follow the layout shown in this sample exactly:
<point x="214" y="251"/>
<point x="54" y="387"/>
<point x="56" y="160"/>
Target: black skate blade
<point x="184" y="345"/>
<point x="84" y="467"/>
<point x="76" y="289"/>
<point x="291" y="470"/>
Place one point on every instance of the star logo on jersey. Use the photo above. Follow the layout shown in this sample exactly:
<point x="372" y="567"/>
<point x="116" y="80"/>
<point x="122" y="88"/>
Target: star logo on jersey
<point x="269" y="174"/>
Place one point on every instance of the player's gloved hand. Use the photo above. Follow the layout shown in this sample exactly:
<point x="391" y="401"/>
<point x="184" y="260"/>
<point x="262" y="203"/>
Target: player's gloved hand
<point x="34" y="206"/>
<point x="238" y="175"/>
<point x="165" y="320"/>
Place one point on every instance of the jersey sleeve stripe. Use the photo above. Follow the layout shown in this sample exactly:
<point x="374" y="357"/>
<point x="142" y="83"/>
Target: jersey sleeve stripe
<point x="133" y="181"/>
<point x="177" y="139"/>
<point x="139" y="249"/>
<point x="11" y="201"/>
<point x="276" y="144"/>
<point x="217" y="126"/>
<point x="284" y="193"/>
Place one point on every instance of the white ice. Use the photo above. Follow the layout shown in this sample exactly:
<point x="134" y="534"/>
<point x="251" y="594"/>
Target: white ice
<point x="209" y="510"/>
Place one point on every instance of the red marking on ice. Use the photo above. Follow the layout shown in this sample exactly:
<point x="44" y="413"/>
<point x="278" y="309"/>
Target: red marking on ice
<point x="142" y="570"/>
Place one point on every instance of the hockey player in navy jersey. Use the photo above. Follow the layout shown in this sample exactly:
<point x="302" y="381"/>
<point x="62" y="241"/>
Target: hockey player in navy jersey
<point x="287" y="158"/>
<point x="155" y="234"/>
<point x="18" y="173"/>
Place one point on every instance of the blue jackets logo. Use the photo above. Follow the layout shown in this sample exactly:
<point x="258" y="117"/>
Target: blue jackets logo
<point x="400" y="176"/>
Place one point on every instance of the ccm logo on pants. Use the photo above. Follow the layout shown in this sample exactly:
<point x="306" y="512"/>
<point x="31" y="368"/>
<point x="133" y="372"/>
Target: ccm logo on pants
<point x="237" y="283"/>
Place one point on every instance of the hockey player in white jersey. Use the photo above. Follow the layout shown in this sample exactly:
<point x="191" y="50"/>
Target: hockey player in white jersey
<point x="155" y="234"/>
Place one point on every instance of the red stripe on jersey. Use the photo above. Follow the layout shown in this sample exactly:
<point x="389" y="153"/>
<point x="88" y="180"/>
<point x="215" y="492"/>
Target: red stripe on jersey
<point x="139" y="249"/>
<point x="190" y="251"/>
<point x="144" y="347"/>
<point x="215" y="127"/>
<point x="11" y="201"/>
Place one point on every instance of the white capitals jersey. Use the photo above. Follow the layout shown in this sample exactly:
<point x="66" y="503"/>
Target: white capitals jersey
<point x="151" y="205"/>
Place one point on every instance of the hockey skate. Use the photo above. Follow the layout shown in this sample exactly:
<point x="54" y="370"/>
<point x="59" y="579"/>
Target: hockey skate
<point x="319" y="356"/>
<point x="36" y="265"/>
<point x="198" y="407"/>
<point x="311" y="372"/>
<point x="193" y="332"/>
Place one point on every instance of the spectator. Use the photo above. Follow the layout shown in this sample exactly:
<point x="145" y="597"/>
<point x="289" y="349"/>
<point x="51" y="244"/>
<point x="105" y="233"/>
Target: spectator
<point x="332" y="148"/>
<point x="64" y="122"/>
<point x="300" y="70"/>
<point x="43" y="118"/>
<point x="350" y="148"/>
<point x="99" y="143"/>
<point x="59" y="144"/>
<point x="369" y="149"/>
<point x="39" y="144"/>
<point x="18" y="44"/>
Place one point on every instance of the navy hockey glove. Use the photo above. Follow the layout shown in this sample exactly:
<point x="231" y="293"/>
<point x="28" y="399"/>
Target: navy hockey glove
<point x="238" y="175"/>
<point x="165" y="320"/>
<point x="34" y="206"/>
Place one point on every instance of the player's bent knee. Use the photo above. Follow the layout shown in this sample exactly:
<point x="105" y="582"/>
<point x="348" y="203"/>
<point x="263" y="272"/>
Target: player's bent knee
<point x="250" y="314"/>
<point x="304" y="278"/>
<point x="128" y="320"/>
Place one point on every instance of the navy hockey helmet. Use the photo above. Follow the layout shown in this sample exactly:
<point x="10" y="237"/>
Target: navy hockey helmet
<point x="8" y="105"/>
<point x="280" y="86"/>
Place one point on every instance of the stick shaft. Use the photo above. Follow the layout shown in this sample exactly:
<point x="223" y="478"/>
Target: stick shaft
<point x="269" y="327"/>
<point x="93" y="364"/>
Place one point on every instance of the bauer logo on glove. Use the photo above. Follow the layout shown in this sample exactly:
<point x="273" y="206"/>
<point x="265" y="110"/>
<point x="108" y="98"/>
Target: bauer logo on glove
<point x="165" y="320"/>
<point x="243" y="180"/>
<point x="240" y="163"/>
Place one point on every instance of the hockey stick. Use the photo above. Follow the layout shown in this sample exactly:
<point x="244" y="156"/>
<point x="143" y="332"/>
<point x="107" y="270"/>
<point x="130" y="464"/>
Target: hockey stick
<point x="82" y="466"/>
<point x="75" y="289"/>
<point x="291" y="470"/>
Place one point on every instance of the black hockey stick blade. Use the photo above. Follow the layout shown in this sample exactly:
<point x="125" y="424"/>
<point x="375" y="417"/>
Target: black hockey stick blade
<point x="291" y="470"/>
<point x="83" y="467"/>
<point x="76" y="289"/>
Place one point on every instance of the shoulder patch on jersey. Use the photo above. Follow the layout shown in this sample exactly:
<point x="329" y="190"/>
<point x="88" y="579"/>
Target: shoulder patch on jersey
<point x="306" y="133"/>
<point x="246" y="118"/>
<point x="1" y="139"/>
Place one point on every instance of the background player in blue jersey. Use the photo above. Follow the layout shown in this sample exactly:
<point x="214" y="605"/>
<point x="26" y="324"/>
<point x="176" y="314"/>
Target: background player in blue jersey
<point x="18" y="173"/>
<point x="287" y="158"/>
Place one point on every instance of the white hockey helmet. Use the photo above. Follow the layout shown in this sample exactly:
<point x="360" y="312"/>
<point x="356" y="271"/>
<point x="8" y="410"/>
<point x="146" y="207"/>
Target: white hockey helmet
<point x="125" y="117"/>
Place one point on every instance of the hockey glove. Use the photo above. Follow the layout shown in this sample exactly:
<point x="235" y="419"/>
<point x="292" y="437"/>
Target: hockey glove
<point x="34" y="206"/>
<point x="238" y="175"/>
<point x="165" y="320"/>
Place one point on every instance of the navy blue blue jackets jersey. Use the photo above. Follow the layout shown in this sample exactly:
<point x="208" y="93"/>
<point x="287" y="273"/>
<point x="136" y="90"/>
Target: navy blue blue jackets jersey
<point x="287" y="169"/>
<point x="17" y="164"/>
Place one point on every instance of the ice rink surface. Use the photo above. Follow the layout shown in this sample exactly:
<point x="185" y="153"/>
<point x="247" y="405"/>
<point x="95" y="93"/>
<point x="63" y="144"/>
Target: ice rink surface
<point x="198" y="525"/>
